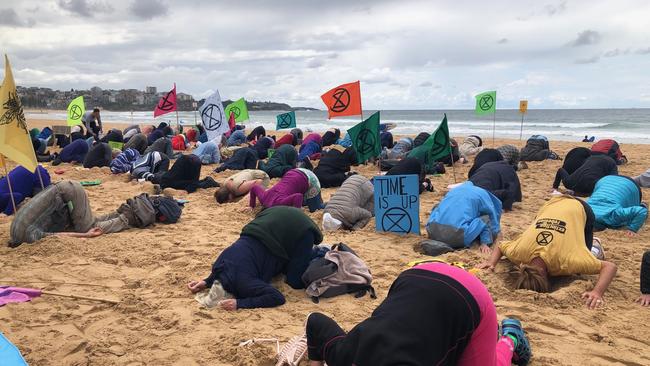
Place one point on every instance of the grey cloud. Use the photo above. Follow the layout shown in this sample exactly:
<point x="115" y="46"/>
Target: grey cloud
<point x="590" y="60"/>
<point x="426" y="84"/>
<point x="148" y="9"/>
<point x="10" y="17"/>
<point x="552" y="10"/>
<point x="643" y="51"/>
<point x="503" y="41"/>
<point x="586" y="38"/>
<point x="616" y="52"/>
<point x="314" y="63"/>
<point x="85" y="8"/>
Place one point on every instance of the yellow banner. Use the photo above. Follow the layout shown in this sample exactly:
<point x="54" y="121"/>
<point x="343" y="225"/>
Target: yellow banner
<point x="15" y="142"/>
<point x="523" y="106"/>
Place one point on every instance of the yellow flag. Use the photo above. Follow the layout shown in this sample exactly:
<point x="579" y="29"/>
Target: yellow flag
<point x="15" y="142"/>
<point x="76" y="110"/>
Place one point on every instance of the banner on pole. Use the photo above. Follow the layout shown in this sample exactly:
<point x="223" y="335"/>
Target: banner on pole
<point x="76" y="110"/>
<point x="365" y="138"/>
<point x="344" y="100"/>
<point x="397" y="203"/>
<point x="486" y="103"/>
<point x="166" y="104"/>
<point x="238" y="109"/>
<point x="213" y="116"/>
<point x="286" y="120"/>
<point x="523" y="106"/>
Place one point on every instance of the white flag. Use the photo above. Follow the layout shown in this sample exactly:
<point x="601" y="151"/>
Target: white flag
<point x="214" y="120"/>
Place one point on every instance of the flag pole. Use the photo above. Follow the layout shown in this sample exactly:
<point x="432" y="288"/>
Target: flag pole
<point x="11" y="191"/>
<point x="494" y="126"/>
<point x="521" y="131"/>
<point x="178" y="124"/>
<point x="38" y="171"/>
<point x="451" y="159"/>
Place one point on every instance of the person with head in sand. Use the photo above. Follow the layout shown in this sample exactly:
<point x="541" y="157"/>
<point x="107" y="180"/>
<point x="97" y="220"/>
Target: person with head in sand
<point x="644" y="299"/>
<point x="280" y="240"/>
<point x="616" y="203"/>
<point x="584" y="178"/>
<point x="500" y="178"/>
<point x="466" y="214"/>
<point x="63" y="209"/>
<point x="283" y="160"/>
<point x="297" y="187"/>
<point x="434" y="314"/>
<point x="239" y="184"/>
<point x="352" y="206"/>
<point x="558" y="243"/>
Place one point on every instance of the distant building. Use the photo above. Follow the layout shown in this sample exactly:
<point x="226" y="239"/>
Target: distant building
<point x="151" y="90"/>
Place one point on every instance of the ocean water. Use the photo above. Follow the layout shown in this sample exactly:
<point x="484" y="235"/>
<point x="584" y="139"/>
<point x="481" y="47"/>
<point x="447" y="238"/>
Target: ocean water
<point x="624" y="125"/>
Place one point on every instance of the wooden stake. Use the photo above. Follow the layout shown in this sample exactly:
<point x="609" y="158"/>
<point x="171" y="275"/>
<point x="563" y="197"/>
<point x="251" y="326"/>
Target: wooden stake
<point x="80" y="297"/>
<point x="11" y="191"/>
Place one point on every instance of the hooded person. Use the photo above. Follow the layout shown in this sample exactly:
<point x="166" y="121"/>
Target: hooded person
<point x="239" y="184"/>
<point x="510" y="153"/>
<point x="420" y="139"/>
<point x="280" y="240"/>
<point x="63" y="209"/>
<point x="313" y="137"/>
<point x="616" y="203"/>
<point x="351" y="207"/>
<point x="154" y="136"/>
<point x="255" y="135"/>
<point x="559" y="242"/>
<point x="179" y="143"/>
<point x="466" y="214"/>
<point x="583" y="179"/>
<point x="24" y="184"/>
<point x="399" y="150"/>
<point x="184" y="175"/>
<point x="309" y="150"/>
<point x="236" y="138"/>
<point x="537" y="149"/>
<point x="150" y="166"/>
<point x="100" y="155"/>
<point x="283" y="160"/>
<point x="500" y="179"/>
<point x="137" y="142"/>
<point x="162" y="145"/>
<point x="242" y="158"/>
<point x="262" y="147"/>
<point x="330" y="137"/>
<point x="208" y="152"/>
<point x="434" y="314"/>
<point x="575" y="158"/>
<point x="334" y="167"/>
<point x="297" y="188"/>
<point x="485" y="156"/>
<point x="412" y="166"/>
<point x="643" y="180"/>
<point x="471" y="146"/>
<point x="75" y="152"/>
<point x="287" y="139"/>
<point x="124" y="161"/>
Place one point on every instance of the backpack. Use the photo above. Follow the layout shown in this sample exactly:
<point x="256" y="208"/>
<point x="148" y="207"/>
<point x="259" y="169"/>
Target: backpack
<point x="339" y="272"/>
<point x="168" y="211"/>
<point x="139" y="210"/>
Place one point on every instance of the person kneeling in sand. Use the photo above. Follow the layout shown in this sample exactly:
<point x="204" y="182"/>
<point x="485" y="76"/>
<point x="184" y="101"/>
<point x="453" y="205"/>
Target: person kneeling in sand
<point x="616" y="203"/>
<point x="297" y="187"/>
<point x="280" y="240"/>
<point x="434" y="314"/>
<point x="558" y="243"/>
<point x="351" y="206"/>
<point x="239" y="184"/>
<point x="467" y="213"/>
<point x="64" y="206"/>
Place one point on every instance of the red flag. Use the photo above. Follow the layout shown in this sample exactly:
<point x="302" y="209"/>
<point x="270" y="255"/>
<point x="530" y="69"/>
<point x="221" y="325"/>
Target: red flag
<point x="166" y="104"/>
<point x="231" y="120"/>
<point x="344" y="100"/>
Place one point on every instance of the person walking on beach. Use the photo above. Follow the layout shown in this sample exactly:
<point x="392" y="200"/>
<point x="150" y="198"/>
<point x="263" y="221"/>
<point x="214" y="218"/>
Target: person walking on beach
<point x="434" y="314"/>
<point x="280" y="240"/>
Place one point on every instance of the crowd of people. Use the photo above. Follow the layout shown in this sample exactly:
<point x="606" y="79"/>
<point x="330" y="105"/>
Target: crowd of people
<point x="283" y="240"/>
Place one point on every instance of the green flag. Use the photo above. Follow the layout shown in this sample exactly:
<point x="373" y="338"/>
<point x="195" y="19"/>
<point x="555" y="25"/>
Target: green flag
<point x="76" y="110"/>
<point x="238" y="109"/>
<point x="486" y="103"/>
<point x="365" y="138"/>
<point x="435" y="147"/>
<point x="286" y="120"/>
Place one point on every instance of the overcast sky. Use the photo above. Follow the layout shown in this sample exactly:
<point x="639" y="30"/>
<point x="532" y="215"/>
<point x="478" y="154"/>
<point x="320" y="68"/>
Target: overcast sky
<point x="407" y="54"/>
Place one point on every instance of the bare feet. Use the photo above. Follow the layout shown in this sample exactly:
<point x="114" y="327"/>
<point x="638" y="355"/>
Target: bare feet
<point x="229" y="304"/>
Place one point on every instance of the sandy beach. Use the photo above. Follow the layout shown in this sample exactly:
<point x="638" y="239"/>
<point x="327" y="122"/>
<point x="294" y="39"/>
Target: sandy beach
<point x="158" y="322"/>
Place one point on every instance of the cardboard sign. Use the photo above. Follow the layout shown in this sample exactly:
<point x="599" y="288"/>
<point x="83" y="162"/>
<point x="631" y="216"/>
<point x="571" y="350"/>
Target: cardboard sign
<point x="523" y="106"/>
<point x="116" y="145"/>
<point x="397" y="203"/>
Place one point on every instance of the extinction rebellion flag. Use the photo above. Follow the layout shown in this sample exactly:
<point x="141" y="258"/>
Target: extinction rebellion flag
<point x="344" y="100"/>
<point x="486" y="103"/>
<point x="238" y="109"/>
<point x="212" y="116"/>
<point x="286" y="120"/>
<point x="166" y="104"/>
<point x="76" y="110"/>
<point x="365" y="138"/>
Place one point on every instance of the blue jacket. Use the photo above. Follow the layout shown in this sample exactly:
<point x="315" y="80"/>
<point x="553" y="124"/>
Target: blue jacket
<point x="457" y="218"/>
<point x="307" y="150"/>
<point x="616" y="203"/>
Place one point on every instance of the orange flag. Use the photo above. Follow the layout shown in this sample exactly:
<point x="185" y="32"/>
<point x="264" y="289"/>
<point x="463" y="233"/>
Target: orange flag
<point x="344" y="100"/>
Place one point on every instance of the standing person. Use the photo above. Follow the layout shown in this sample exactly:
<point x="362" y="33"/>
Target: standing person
<point x="434" y="314"/>
<point x="280" y="240"/>
<point x="93" y="122"/>
<point x="558" y="243"/>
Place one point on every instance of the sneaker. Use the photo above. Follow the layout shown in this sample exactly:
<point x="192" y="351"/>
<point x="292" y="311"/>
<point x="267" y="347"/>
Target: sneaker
<point x="522" y="353"/>
<point x="597" y="249"/>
